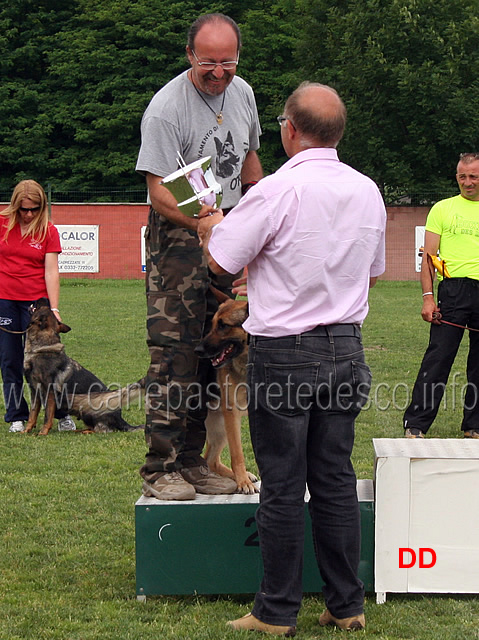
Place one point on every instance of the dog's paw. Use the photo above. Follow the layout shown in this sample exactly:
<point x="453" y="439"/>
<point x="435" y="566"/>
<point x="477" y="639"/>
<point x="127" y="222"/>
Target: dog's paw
<point x="247" y="488"/>
<point x="138" y="427"/>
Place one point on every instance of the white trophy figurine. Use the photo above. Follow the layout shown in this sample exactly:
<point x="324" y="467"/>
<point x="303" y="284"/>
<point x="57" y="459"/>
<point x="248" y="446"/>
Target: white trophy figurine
<point x="194" y="185"/>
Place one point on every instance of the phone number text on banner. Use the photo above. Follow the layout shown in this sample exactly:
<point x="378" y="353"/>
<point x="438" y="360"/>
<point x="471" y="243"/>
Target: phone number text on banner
<point x="79" y="248"/>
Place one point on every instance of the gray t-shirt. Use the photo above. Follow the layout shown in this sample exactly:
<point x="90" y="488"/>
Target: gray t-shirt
<point x="178" y="120"/>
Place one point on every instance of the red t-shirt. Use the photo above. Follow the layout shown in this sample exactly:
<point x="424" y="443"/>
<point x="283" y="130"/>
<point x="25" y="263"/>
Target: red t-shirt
<point x="22" y="262"/>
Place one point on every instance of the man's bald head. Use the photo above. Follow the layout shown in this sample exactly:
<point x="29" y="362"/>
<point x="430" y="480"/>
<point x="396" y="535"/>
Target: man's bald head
<point x="317" y="113"/>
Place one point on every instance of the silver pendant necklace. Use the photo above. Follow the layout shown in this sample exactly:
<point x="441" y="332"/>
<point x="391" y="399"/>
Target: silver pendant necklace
<point x="218" y="116"/>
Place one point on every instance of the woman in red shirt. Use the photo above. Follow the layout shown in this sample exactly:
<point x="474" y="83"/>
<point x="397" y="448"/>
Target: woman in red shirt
<point x="29" y="248"/>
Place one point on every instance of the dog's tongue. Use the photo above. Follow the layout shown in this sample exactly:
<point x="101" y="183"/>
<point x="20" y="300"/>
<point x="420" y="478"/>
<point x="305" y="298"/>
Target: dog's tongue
<point x="222" y="357"/>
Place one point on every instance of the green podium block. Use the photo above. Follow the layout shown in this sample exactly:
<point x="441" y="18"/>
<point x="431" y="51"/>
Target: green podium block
<point x="210" y="545"/>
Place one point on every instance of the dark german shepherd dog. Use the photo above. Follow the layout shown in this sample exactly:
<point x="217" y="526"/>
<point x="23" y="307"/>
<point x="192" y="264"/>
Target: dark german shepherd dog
<point x="59" y="382"/>
<point x="227" y="347"/>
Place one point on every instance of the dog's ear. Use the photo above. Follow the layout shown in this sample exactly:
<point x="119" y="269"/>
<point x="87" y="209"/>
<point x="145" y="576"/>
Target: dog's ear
<point x="63" y="328"/>
<point x="42" y="302"/>
<point x="219" y="295"/>
<point x="240" y="312"/>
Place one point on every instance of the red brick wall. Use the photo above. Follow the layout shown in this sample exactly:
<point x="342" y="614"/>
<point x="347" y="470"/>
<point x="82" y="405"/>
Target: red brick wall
<point x="400" y="242"/>
<point x="120" y="248"/>
<point x="119" y="236"/>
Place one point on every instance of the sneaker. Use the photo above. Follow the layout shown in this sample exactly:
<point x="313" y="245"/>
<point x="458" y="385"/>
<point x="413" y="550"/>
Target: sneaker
<point x="472" y="433"/>
<point x="206" y="481"/>
<point x="353" y="623"/>
<point x="412" y="432"/>
<point x="66" y="424"/>
<point x="169" y="486"/>
<point x="17" y="426"/>
<point x="250" y="623"/>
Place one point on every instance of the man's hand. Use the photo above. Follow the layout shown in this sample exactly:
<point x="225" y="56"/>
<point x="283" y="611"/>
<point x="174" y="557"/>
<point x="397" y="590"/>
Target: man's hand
<point x="207" y="210"/>
<point x="240" y="285"/>
<point x="429" y="309"/>
<point x="207" y="218"/>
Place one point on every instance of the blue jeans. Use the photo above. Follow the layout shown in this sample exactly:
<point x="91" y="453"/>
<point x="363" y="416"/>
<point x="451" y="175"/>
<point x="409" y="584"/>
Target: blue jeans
<point x="458" y="300"/>
<point x="15" y="316"/>
<point x="306" y="392"/>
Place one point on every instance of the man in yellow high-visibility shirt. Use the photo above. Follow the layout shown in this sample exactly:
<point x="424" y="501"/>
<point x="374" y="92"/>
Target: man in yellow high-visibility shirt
<point x="452" y="229"/>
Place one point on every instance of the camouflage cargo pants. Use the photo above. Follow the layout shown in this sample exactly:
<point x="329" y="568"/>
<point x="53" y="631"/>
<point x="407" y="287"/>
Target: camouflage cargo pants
<point x="179" y="311"/>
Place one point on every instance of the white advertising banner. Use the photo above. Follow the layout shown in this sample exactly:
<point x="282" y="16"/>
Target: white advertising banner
<point x="419" y="246"/>
<point x="79" y="248"/>
<point x="143" y="249"/>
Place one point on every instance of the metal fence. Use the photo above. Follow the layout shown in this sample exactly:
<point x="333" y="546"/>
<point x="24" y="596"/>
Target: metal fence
<point x="96" y="195"/>
<point x="139" y="195"/>
<point x="399" y="198"/>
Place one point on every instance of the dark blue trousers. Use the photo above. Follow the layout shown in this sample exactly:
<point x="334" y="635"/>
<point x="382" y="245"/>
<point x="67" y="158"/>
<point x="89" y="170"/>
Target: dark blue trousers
<point x="306" y="392"/>
<point x="14" y="315"/>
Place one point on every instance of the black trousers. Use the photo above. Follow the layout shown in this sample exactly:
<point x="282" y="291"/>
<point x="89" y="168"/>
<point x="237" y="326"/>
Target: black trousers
<point x="458" y="300"/>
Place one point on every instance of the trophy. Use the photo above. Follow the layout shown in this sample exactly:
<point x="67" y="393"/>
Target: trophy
<point x="194" y="185"/>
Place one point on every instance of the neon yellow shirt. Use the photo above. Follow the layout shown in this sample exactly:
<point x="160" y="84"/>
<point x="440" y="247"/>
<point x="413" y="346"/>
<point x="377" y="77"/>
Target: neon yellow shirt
<point x="456" y="220"/>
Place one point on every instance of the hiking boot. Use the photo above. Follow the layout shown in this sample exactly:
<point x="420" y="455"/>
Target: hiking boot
<point x="169" y="486"/>
<point x="412" y="432"/>
<point x="353" y="623"/>
<point x="206" y="481"/>
<point x="472" y="433"/>
<point x="17" y="426"/>
<point x="250" y="623"/>
<point x="66" y="424"/>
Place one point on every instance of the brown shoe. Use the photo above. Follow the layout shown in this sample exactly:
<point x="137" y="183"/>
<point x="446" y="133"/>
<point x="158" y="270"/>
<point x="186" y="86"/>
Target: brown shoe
<point x="206" y="481"/>
<point x="169" y="486"/>
<point x="250" y="623"/>
<point x="471" y="433"/>
<point x="354" y="623"/>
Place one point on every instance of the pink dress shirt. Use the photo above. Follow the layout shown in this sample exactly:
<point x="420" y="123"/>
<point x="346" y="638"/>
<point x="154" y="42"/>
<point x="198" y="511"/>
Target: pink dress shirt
<point x="312" y="234"/>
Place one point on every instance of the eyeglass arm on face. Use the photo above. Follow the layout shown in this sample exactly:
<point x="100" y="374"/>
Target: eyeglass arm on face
<point x="282" y="119"/>
<point x="228" y="64"/>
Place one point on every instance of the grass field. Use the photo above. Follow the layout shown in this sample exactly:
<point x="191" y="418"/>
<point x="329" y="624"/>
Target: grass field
<point x="67" y="501"/>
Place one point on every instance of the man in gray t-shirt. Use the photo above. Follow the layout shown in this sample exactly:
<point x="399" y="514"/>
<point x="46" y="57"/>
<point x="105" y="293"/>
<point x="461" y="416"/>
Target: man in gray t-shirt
<point x="205" y="111"/>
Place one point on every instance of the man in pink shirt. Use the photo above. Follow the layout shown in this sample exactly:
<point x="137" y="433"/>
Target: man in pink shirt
<point x="312" y="236"/>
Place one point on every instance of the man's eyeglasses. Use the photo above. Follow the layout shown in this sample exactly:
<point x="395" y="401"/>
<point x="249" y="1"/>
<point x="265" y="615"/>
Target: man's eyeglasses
<point x="211" y="66"/>
<point x="29" y="209"/>
<point x="281" y="119"/>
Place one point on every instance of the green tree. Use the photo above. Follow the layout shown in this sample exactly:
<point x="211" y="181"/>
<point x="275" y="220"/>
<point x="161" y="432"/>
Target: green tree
<point x="75" y="78"/>
<point x="75" y="82"/>
<point x="270" y="34"/>
<point x="26" y="31"/>
<point x="104" y="69"/>
<point x="405" y="71"/>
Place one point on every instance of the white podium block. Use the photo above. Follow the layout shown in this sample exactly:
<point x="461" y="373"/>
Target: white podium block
<point x="427" y="516"/>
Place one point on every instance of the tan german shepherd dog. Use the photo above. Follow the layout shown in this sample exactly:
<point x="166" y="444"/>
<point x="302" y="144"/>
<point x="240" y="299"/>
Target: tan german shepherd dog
<point x="227" y="347"/>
